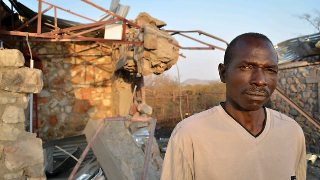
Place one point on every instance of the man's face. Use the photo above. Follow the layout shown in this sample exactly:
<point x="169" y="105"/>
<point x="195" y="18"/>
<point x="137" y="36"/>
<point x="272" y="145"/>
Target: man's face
<point x="251" y="75"/>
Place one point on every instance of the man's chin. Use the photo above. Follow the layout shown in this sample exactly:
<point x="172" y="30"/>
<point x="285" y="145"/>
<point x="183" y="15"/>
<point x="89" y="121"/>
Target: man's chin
<point x="254" y="106"/>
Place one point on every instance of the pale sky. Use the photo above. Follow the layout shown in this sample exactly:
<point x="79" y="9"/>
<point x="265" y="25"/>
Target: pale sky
<point x="277" y="19"/>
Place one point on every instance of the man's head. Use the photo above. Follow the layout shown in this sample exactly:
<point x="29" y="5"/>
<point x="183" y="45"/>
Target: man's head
<point x="250" y="71"/>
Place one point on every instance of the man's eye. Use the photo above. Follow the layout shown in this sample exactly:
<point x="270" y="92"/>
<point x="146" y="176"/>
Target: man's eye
<point x="272" y="70"/>
<point x="246" y="67"/>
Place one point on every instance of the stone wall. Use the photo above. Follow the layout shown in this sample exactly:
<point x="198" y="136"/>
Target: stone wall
<point x="77" y="86"/>
<point x="299" y="81"/>
<point x="21" y="153"/>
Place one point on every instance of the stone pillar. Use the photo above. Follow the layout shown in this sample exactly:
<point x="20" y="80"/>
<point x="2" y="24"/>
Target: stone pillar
<point x="21" y="153"/>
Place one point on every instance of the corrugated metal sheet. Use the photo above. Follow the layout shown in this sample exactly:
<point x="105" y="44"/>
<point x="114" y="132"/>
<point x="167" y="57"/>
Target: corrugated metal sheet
<point x="298" y="48"/>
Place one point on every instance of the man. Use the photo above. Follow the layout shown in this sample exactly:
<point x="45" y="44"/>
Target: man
<point x="240" y="139"/>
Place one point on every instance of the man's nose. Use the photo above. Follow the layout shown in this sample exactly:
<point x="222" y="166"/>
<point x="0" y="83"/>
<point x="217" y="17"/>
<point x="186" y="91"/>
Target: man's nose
<point x="258" y="77"/>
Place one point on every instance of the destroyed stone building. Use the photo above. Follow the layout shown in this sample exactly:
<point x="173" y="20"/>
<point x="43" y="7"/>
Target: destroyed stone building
<point x="86" y="78"/>
<point x="79" y="76"/>
<point x="89" y="79"/>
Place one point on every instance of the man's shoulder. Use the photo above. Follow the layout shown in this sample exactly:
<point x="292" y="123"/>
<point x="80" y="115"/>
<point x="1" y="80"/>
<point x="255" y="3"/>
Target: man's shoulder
<point x="197" y="120"/>
<point x="282" y="120"/>
<point x="281" y="117"/>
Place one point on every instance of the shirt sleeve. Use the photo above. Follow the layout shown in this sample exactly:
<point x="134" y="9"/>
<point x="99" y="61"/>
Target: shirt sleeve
<point x="302" y="164"/>
<point x="178" y="159"/>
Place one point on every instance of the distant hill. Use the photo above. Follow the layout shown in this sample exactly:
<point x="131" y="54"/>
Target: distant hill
<point x="197" y="82"/>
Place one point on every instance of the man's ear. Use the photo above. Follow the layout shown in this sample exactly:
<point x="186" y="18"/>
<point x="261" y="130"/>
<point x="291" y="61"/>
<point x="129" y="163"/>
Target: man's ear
<point x="222" y="72"/>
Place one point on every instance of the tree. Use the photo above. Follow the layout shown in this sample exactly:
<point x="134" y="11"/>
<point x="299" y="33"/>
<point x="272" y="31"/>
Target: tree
<point x="313" y="20"/>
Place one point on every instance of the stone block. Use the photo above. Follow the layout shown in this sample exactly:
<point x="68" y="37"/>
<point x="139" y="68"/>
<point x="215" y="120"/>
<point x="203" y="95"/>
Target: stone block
<point x="25" y="152"/>
<point x="293" y="88"/>
<point x="44" y="93"/>
<point x="167" y="50"/>
<point x="35" y="172"/>
<point x="23" y="80"/>
<point x="53" y="120"/>
<point x="145" y="109"/>
<point x="77" y="123"/>
<point x="98" y="113"/>
<point x="64" y="101"/>
<point x="58" y="81"/>
<point x="68" y="109"/>
<point x="81" y="106"/>
<point x="10" y="132"/>
<point x="306" y="94"/>
<point x="118" y="154"/>
<point x="159" y="68"/>
<point x="42" y="50"/>
<point x="146" y="67"/>
<point x="17" y="99"/>
<point x="62" y="117"/>
<point x="13" y="114"/>
<point x="106" y="102"/>
<point x="53" y="103"/>
<point x="83" y="93"/>
<point x="105" y="60"/>
<point x="150" y="37"/>
<point x="293" y="112"/>
<point x="145" y="18"/>
<point x="37" y="178"/>
<point x="14" y="175"/>
<point x="11" y="57"/>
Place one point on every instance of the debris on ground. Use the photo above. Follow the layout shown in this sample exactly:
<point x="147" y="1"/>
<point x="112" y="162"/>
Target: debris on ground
<point x="118" y="153"/>
<point x="59" y="164"/>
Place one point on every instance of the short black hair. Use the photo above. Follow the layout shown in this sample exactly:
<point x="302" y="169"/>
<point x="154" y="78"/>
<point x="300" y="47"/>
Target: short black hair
<point x="229" y="51"/>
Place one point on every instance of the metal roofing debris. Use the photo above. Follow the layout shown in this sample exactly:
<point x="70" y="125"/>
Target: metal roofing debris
<point x="59" y="164"/>
<point x="298" y="48"/>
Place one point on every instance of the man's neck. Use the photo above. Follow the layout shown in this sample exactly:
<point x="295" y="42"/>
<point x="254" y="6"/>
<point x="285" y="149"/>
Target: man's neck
<point x="252" y="121"/>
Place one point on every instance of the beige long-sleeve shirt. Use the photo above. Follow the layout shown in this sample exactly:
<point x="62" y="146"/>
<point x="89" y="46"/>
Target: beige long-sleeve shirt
<point x="213" y="146"/>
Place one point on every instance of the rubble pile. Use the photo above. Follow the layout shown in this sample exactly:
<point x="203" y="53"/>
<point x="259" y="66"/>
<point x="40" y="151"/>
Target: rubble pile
<point x="118" y="146"/>
<point x="159" y="52"/>
<point x="21" y="153"/>
<point x="120" y="157"/>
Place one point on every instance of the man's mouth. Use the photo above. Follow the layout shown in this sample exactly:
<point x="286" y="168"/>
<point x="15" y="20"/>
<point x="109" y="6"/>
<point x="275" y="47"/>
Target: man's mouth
<point x="257" y="95"/>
